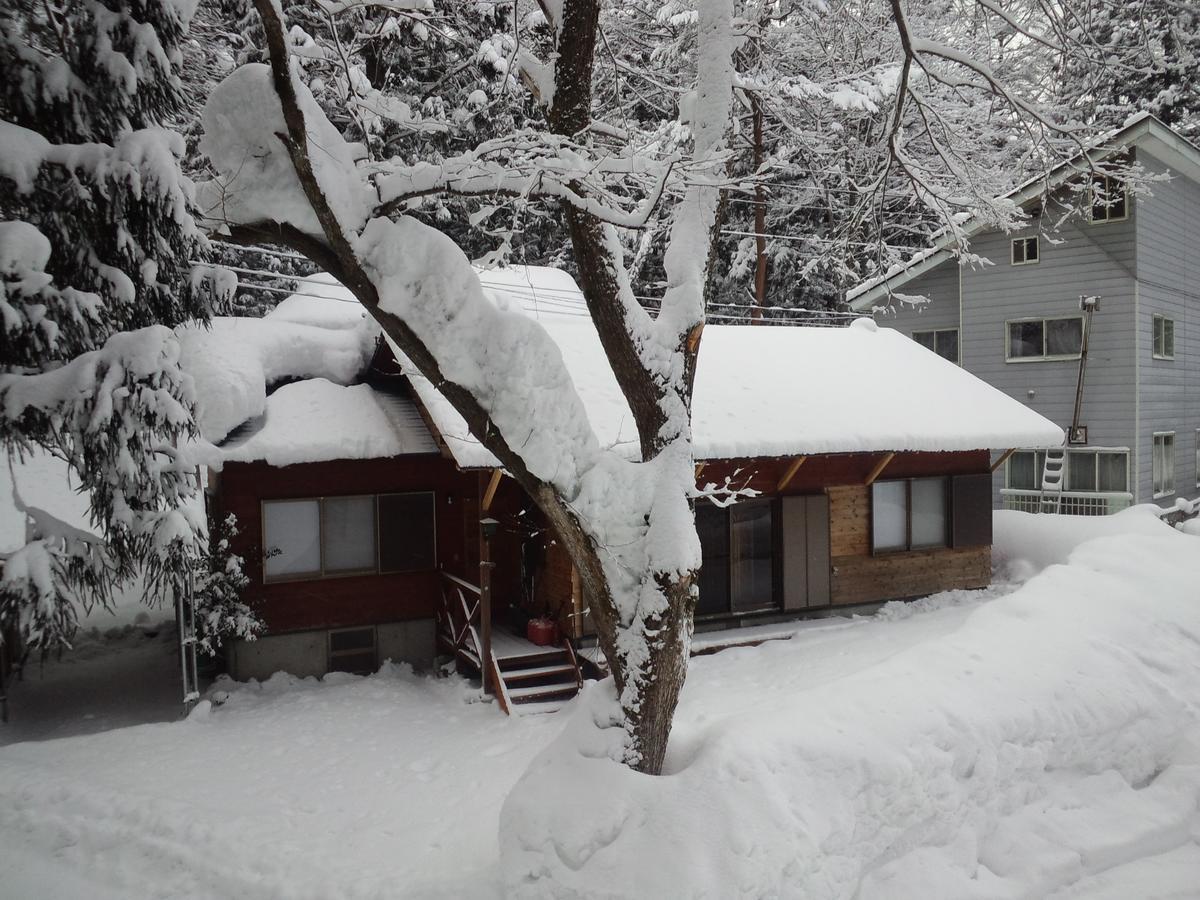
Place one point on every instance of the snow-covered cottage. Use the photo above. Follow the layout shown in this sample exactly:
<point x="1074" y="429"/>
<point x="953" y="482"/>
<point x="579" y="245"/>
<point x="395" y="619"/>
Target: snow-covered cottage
<point x="359" y="492"/>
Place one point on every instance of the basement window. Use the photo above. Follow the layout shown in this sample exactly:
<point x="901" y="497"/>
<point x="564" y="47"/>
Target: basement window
<point x="1024" y="251"/>
<point x="352" y="650"/>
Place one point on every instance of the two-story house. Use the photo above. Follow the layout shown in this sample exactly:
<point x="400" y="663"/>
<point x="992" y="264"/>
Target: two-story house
<point x="1092" y="321"/>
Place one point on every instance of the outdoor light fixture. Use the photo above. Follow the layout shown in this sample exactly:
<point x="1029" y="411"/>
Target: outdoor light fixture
<point x="489" y="526"/>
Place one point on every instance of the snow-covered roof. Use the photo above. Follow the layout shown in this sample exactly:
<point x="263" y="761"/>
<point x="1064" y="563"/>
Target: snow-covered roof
<point x="1143" y="129"/>
<point x="776" y="391"/>
<point x="316" y="420"/>
<point x="283" y="389"/>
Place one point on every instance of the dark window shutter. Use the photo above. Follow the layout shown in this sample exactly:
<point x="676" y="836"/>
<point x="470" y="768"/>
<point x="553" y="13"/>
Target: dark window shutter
<point x="971" y="521"/>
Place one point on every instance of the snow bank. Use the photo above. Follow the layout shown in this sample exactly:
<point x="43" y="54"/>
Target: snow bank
<point x="1050" y="736"/>
<point x="236" y="360"/>
<point x="355" y="422"/>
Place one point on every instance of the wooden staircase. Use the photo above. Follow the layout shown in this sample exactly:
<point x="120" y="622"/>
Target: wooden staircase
<point x="526" y="678"/>
<point x="531" y="679"/>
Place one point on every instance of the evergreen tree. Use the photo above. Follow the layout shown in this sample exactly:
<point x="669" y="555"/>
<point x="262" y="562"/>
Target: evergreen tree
<point x="96" y="236"/>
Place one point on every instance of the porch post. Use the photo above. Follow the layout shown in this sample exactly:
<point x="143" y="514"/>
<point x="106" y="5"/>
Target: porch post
<point x="487" y="528"/>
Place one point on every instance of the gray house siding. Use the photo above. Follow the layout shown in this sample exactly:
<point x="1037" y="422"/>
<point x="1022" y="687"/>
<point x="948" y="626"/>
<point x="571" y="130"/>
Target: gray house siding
<point x="1168" y="257"/>
<point x="1081" y="259"/>
<point x="940" y="287"/>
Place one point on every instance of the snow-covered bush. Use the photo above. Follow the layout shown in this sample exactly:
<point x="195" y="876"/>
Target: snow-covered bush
<point x="219" y="582"/>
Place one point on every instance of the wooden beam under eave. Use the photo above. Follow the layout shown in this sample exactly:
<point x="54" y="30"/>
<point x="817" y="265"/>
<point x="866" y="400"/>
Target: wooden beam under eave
<point x="879" y="467"/>
<point x="1003" y="458"/>
<point x="490" y="493"/>
<point x="790" y="473"/>
<point x="699" y="468"/>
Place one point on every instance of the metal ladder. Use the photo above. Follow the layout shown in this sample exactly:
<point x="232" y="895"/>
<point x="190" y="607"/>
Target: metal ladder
<point x="185" y="618"/>
<point x="1052" y="480"/>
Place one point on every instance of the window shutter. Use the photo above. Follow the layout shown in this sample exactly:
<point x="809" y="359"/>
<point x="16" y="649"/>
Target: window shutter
<point x="972" y="510"/>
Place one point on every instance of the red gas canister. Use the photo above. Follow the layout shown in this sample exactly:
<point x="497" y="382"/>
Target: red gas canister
<point x="542" y="632"/>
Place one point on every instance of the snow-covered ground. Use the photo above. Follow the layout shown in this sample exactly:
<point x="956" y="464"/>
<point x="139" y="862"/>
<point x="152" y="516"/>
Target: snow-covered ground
<point x="1035" y="740"/>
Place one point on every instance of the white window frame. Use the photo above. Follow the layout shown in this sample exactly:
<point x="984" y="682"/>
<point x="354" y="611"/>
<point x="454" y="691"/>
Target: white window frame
<point x="1023" y="243"/>
<point x="1108" y="216"/>
<point x="1158" y="321"/>
<point x="1162" y="478"/>
<point x="935" y="332"/>
<point x="321" y="574"/>
<point x="1044" y="357"/>
<point x="1096" y="452"/>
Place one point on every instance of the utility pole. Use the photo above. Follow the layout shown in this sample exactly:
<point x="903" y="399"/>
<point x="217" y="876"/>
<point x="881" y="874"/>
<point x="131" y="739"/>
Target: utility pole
<point x="760" y="217"/>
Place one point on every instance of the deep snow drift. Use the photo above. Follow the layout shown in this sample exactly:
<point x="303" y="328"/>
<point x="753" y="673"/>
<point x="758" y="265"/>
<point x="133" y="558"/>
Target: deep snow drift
<point x="1053" y="735"/>
<point x="1032" y="741"/>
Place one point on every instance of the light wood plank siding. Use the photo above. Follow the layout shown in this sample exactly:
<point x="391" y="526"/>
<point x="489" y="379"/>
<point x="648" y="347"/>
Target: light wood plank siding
<point x="859" y="577"/>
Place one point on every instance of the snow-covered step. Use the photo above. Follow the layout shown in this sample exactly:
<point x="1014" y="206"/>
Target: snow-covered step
<point x="561" y="670"/>
<point x="517" y="694"/>
<point x="535" y="709"/>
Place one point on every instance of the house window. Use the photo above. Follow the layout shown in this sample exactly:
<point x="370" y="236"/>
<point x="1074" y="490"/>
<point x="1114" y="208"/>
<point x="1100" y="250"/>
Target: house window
<point x="1164" y="337"/>
<point x="1023" y="471"/>
<point x="738" y="542"/>
<point x="363" y="534"/>
<point x="1032" y="339"/>
<point x="1163" y="475"/>
<point x="1024" y="251"/>
<point x="909" y="514"/>
<point x="1110" y="200"/>
<point x="292" y="539"/>
<point x="1105" y="471"/>
<point x="352" y="650"/>
<point x="943" y="342"/>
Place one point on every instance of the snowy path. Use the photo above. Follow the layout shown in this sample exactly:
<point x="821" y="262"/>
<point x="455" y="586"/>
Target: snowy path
<point x="391" y="786"/>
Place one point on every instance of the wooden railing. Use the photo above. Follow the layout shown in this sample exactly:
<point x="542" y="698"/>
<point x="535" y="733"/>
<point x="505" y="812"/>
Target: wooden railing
<point x="457" y="620"/>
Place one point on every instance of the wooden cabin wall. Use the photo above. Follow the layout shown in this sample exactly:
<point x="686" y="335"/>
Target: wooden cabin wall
<point x="351" y="600"/>
<point x="857" y="576"/>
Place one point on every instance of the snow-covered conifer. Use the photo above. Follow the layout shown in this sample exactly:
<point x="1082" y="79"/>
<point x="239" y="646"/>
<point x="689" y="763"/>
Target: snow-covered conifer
<point x="95" y="251"/>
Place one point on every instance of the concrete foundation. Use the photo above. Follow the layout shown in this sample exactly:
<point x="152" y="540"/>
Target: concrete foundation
<point x="306" y="653"/>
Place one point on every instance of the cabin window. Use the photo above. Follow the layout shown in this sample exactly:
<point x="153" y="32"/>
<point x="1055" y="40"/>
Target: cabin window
<point x="356" y="535"/>
<point x="406" y="533"/>
<point x="292" y="539"/>
<point x="738" y="542"/>
<point x="1163" y="469"/>
<point x="1045" y="338"/>
<point x="1110" y="199"/>
<point x="348" y="534"/>
<point x="943" y="342"/>
<point x="909" y="514"/>
<point x="1024" y="251"/>
<point x="1164" y="337"/>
